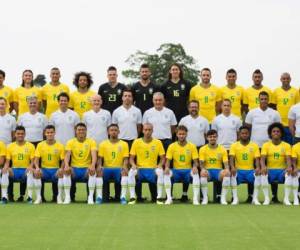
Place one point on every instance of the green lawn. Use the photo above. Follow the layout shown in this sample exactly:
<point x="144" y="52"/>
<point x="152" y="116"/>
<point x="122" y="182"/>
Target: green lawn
<point x="149" y="226"/>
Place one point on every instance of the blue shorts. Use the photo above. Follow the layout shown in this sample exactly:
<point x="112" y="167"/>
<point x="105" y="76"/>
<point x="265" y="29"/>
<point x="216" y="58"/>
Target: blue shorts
<point x="181" y="175"/>
<point x="245" y="176"/>
<point x="110" y="174"/>
<point x="19" y="174"/>
<point x="79" y="174"/>
<point x="49" y="174"/>
<point x="146" y="175"/>
<point x="276" y="175"/>
<point x="214" y="174"/>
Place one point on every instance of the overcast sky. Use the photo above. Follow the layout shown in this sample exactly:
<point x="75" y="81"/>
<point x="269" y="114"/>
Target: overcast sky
<point x="92" y="35"/>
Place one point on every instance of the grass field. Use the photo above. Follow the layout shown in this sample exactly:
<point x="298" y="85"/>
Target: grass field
<point x="149" y="226"/>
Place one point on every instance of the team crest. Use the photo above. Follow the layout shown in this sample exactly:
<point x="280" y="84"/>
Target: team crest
<point x="213" y="94"/>
<point x="26" y="151"/>
<point x="86" y="146"/>
<point x="55" y="151"/>
<point x="152" y="148"/>
<point x="219" y="156"/>
<point x="182" y="87"/>
<point x="251" y="150"/>
<point x="150" y="91"/>
<point x="188" y="152"/>
<point x="119" y="91"/>
<point x="238" y="93"/>
<point x="5" y="94"/>
<point x="119" y="149"/>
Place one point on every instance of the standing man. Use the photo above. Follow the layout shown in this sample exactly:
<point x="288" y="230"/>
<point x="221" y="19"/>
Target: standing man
<point x="196" y="124"/>
<point x="111" y="92"/>
<point x="163" y="120"/>
<point x="259" y="119"/>
<point x="51" y="90"/>
<point x="7" y="123"/>
<point x="144" y="89"/>
<point x="129" y="118"/>
<point x="64" y="120"/>
<point x="6" y="92"/>
<point x="97" y="120"/>
<point x="251" y="95"/>
<point x="208" y="96"/>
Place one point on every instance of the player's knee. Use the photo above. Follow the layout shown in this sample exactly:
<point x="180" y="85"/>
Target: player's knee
<point x="38" y="174"/>
<point x="257" y="171"/>
<point x="289" y="171"/>
<point x="67" y="171"/>
<point x="99" y="172"/>
<point x="60" y="173"/>
<point x="204" y="173"/>
<point x="233" y="172"/>
<point x="159" y="172"/>
<point x="91" y="172"/>
<point x="124" y="172"/>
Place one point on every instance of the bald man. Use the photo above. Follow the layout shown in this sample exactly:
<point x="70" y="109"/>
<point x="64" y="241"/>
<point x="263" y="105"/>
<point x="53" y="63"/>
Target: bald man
<point x="283" y="99"/>
<point x="97" y="120"/>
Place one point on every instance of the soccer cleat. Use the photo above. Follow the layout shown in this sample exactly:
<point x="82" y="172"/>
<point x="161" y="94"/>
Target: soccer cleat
<point x="59" y="200"/>
<point x="275" y="199"/>
<point x="132" y="201"/>
<point x="184" y="198"/>
<point x="20" y="199"/>
<point x="90" y="201"/>
<point x="4" y="200"/>
<point x="249" y="199"/>
<point x="256" y="202"/>
<point x="286" y="202"/>
<point x="67" y="201"/>
<point x="296" y="201"/>
<point x="168" y="202"/>
<point x="99" y="200"/>
<point x="38" y="201"/>
<point x="223" y="201"/>
<point x="123" y="201"/>
<point x="29" y="200"/>
<point x="235" y="202"/>
<point x="267" y="201"/>
<point x="196" y="202"/>
<point x="204" y="201"/>
<point x="159" y="201"/>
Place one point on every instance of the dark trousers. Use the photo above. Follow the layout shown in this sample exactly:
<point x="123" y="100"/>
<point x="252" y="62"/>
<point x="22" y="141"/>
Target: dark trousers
<point x="106" y="191"/>
<point x="73" y="189"/>
<point x="54" y="190"/>
<point x="10" y="188"/>
<point x="152" y="188"/>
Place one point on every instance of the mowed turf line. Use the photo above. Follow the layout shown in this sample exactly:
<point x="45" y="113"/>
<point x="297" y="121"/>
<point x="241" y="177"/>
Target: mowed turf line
<point x="149" y="226"/>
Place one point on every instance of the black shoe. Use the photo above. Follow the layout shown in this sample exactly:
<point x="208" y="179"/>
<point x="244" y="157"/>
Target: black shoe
<point x="54" y="200"/>
<point x="184" y="198"/>
<point x="141" y="199"/>
<point x="44" y="200"/>
<point x="11" y="199"/>
<point x="249" y="199"/>
<point x="275" y="199"/>
<point x="20" y="199"/>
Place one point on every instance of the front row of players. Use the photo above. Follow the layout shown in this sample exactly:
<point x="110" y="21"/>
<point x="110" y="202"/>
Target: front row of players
<point x="81" y="161"/>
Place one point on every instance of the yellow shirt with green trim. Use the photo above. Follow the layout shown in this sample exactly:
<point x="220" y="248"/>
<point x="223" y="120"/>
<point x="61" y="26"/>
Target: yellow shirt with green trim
<point x="50" y="155"/>
<point x="213" y="158"/>
<point x="236" y="96"/>
<point x="20" y="155"/>
<point x="81" y="102"/>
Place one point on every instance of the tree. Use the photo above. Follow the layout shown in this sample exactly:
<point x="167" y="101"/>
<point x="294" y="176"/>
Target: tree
<point x="40" y="80"/>
<point x="160" y="63"/>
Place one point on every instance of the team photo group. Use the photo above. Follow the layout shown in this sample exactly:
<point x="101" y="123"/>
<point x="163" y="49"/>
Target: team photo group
<point x="159" y="134"/>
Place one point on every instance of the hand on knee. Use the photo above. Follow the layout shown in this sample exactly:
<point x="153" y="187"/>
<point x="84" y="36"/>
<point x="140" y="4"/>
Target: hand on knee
<point x="204" y="173"/>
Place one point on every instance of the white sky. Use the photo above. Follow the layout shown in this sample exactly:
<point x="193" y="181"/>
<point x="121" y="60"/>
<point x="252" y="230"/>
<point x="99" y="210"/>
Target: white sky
<point x="92" y="35"/>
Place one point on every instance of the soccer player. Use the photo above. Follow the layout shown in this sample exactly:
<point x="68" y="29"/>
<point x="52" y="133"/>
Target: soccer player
<point x="64" y="120"/>
<point x="144" y="89"/>
<point x="196" y="124"/>
<point x="233" y="92"/>
<point x="259" y="119"/>
<point x="176" y="91"/>
<point x="128" y="117"/>
<point x="4" y="176"/>
<point x="80" y="164"/>
<point x="294" y="122"/>
<point x="251" y="95"/>
<point x="19" y="166"/>
<point x="6" y="92"/>
<point x="49" y="163"/>
<point x="51" y="90"/>
<point x="244" y="157"/>
<point x="227" y="125"/>
<point x="7" y="123"/>
<point x="208" y="96"/>
<point x="283" y="98"/>
<point x="276" y="164"/>
<point x="97" y="120"/>
<point x="162" y="119"/>
<point x="185" y="164"/>
<point x="296" y="170"/>
<point x="147" y="157"/>
<point x="212" y="157"/>
<point x="81" y="99"/>
<point x="33" y="121"/>
<point x="111" y="92"/>
<point x="21" y="94"/>
<point x="113" y="164"/>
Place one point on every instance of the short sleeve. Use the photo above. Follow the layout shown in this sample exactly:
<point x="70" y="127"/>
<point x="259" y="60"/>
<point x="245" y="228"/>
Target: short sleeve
<point x="32" y="151"/>
<point x="249" y="118"/>
<point x="194" y="152"/>
<point x="139" y="116"/>
<point x="114" y="118"/>
<point x="173" y="119"/>
<point x="264" y="149"/>
<point x="256" y="151"/>
<point x="93" y="145"/>
<point x="245" y="97"/>
<point x="37" y="151"/>
<point x="225" y="156"/>
<point x="218" y="95"/>
<point x="126" y="150"/>
<point x="2" y="149"/>
<point x="101" y="150"/>
<point x="8" y="153"/>
<point x="170" y="152"/>
<point x="292" y="114"/>
<point x="161" y="150"/>
<point x="69" y="145"/>
<point x="133" y="148"/>
<point x="202" y="154"/>
<point x="232" y="150"/>
<point x="288" y="150"/>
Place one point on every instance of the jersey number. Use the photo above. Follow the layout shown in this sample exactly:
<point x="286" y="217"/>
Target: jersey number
<point x="80" y="154"/>
<point x="20" y="157"/>
<point x="49" y="157"/>
<point x="176" y="93"/>
<point x="113" y="155"/>
<point x="276" y="156"/>
<point x="182" y="158"/>
<point x="245" y="157"/>
<point x="112" y="97"/>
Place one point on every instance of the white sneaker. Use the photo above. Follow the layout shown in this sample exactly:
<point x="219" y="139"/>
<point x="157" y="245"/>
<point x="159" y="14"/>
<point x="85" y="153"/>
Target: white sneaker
<point x="168" y="202"/>
<point x="223" y="201"/>
<point x="286" y="202"/>
<point x="256" y="202"/>
<point x="296" y="201"/>
<point x="196" y="202"/>
<point x="38" y="201"/>
<point x="267" y="201"/>
<point x="204" y="201"/>
<point x="67" y="201"/>
<point x="90" y="201"/>
<point x="235" y="202"/>
<point x="59" y="199"/>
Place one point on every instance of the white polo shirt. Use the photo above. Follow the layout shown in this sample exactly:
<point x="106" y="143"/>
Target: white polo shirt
<point x="97" y="123"/>
<point x="7" y="126"/>
<point x="162" y="120"/>
<point x="64" y="123"/>
<point x="227" y="127"/>
<point x="294" y="114"/>
<point x="34" y="125"/>
<point x="260" y="121"/>
<point x="197" y="128"/>
<point x="127" y="120"/>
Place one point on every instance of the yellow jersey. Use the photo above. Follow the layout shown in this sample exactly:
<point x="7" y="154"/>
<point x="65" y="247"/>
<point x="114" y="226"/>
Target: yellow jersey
<point x="50" y="93"/>
<point x="113" y="153"/>
<point x="296" y="154"/>
<point x="276" y="154"/>
<point x="182" y="156"/>
<point x="2" y="149"/>
<point x="213" y="158"/>
<point x="284" y="99"/>
<point x="81" y="103"/>
<point x="251" y="96"/>
<point x="236" y="96"/>
<point x="20" y="155"/>
<point x="8" y="94"/>
<point x="50" y="155"/>
<point x="21" y="96"/>
<point x="81" y="152"/>
<point x="207" y="98"/>
<point x="147" y="153"/>
<point x="245" y="155"/>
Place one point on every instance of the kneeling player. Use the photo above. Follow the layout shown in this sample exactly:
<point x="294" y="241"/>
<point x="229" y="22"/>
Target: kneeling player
<point x="19" y="167"/>
<point x="113" y="162"/>
<point x="144" y="156"/>
<point x="244" y="165"/>
<point x="276" y="164"/>
<point x="82" y="152"/>
<point x="49" y="156"/>
<point x="185" y="162"/>
<point x="212" y="158"/>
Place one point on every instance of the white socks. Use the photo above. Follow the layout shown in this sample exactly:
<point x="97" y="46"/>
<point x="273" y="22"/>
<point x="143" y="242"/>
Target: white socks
<point x="233" y="183"/>
<point x="225" y="187"/>
<point x="257" y="184"/>
<point x="295" y="184"/>
<point x="91" y="186"/>
<point x="167" y="183"/>
<point x="160" y="182"/>
<point x="203" y="184"/>
<point x="124" y="183"/>
<point x="67" y="186"/>
<point x="30" y="184"/>
<point x="196" y="187"/>
<point x="4" y="184"/>
<point x="265" y="188"/>
<point x="60" y="186"/>
<point x="287" y="189"/>
<point x="37" y="187"/>
<point x="99" y="185"/>
<point x="131" y="182"/>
